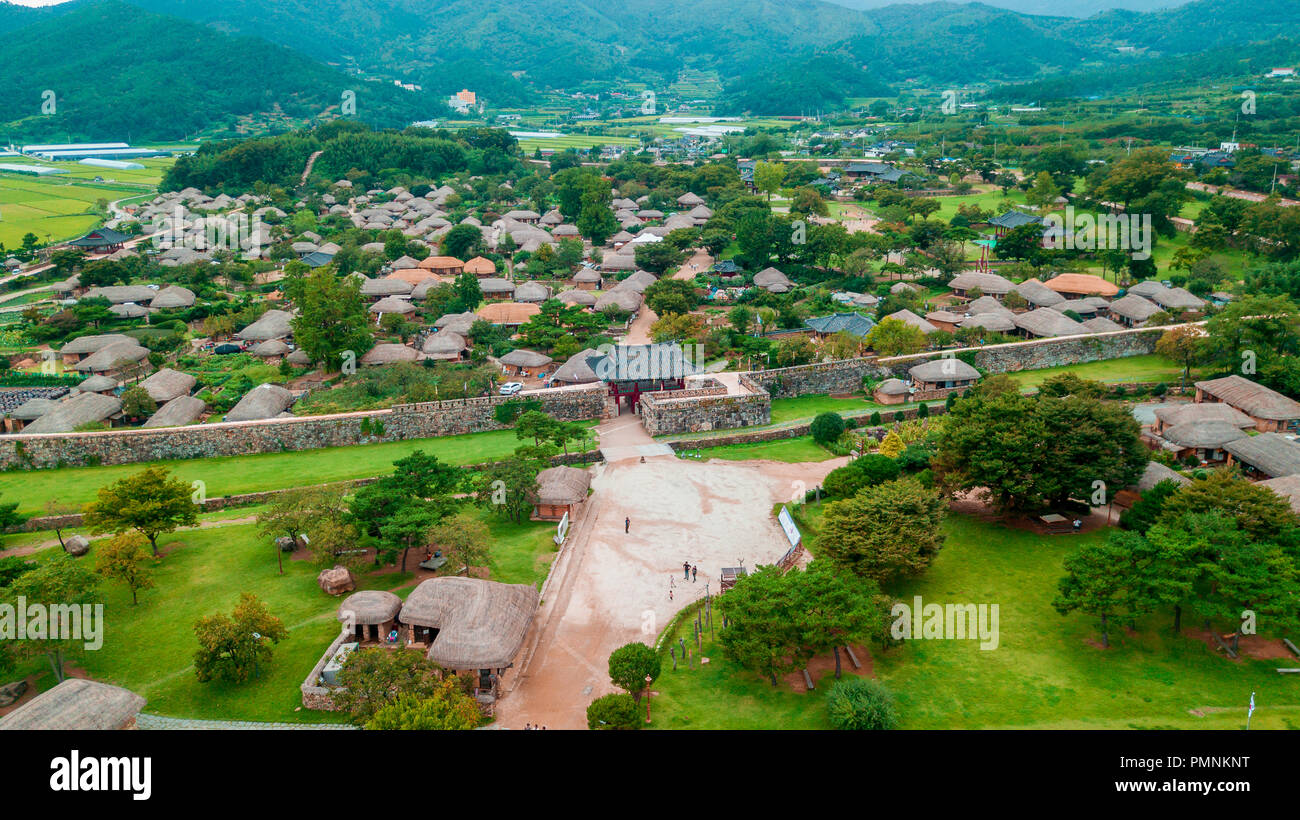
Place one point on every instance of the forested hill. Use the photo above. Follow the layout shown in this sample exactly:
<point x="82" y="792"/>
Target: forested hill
<point x="119" y="72"/>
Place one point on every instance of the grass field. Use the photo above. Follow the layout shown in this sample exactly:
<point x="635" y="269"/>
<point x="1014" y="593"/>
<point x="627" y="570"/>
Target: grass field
<point x="1148" y="368"/>
<point x="255" y="473"/>
<point x="1047" y="672"/>
<point x="149" y="647"/>
<point x="793" y="450"/>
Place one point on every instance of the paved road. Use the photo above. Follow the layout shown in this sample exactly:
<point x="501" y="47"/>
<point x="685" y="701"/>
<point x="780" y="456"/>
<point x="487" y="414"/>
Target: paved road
<point x="160" y="723"/>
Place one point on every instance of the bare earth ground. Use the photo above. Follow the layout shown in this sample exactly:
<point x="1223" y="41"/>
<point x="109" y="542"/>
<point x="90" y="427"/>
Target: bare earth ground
<point x="610" y="588"/>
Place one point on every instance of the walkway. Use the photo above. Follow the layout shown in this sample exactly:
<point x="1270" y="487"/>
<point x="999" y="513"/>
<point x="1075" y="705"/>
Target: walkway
<point x="160" y="723"/>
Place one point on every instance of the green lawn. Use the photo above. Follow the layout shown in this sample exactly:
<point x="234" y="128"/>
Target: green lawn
<point x="792" y="450"/>
<point x="149" y="647"/>
<point x="255" y="473"/>
<point x="1148" y="368"/>
<point x="1047" y="672"/>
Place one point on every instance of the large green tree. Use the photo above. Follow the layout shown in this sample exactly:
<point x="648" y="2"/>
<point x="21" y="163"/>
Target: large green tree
<point x="150" y="502"/>
<point x="332" y="319"/>
<point x="889" y="531"/>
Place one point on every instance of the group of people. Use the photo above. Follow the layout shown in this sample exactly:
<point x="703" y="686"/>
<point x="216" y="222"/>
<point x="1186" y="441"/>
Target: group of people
<point x="529" y="727"/>
<point x="690" y="573"/>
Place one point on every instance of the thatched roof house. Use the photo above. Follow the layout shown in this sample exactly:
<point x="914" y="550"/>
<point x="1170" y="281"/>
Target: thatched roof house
<point x="1037" y="294"/>
<point x="98" y="384"/>
<point x="494" y="287"/>
<point x="168" y="384"/>
<point x="1100" y="324"/>
<point x="86" y="345"/>
<point x="173" y="298"/>
<point x="77" y="705"/>
<point x="1132" y="310"/>
<point x="996" y="322"/>
<point x="577" y="370"/>
<point x="990" y="284"/>
<point x="508" y="313"/>
<point x="625" y="300"/>
<point x="113" y="358"/>
<point x="444" y="345"/>
<point x="1081" y="284"/>
<point x="577" y="297"/>
<point x="480" y="266"/>
<point x="1203" y="411"/>
<point x="1205" y="437"/>
<point x="392" y="304"/>
<point x="638" y="281"/>
<point x="1046" y="322"/>
<point x="86" y="408"/>
<point x="1272" y="411"/>
<point x="939" y="374"/>
<point x="388" y="286"/>
<point x="559" y="490"/>
<point x="525" y="362"/>
<point x="468" y="623"/>
<point x="1267" y="455"/>
<point x="456" y="322"/>
<point x="1287" y="487"/>
<point x="178" y="412"/>
<point x="274" y="324"/>
<point x="121" y="294"/>
<point x="266" y="401"/>
<point x="270" y="349"/>
<point x="532" y="292"/>
<point x="382" y="354"/>
<point x="773" y="281"/>
<point x="370" y="606"/>
<point x="909" y="318"/>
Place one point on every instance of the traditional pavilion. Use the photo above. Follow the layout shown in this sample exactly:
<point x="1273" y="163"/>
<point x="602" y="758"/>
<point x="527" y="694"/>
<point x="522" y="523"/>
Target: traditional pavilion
<point x="101" y="240"/>
<point x="631" y="370"/>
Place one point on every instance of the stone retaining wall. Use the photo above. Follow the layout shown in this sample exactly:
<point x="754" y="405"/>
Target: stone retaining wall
<point x="666" y="413"/>
<point x="795" y="431"/>
<point x="401" y="423"/>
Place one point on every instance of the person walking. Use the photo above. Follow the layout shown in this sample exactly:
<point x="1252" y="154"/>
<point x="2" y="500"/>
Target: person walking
<point x="694" y="571"/>
<point x="686" y="570"/>
<point x="627" y="525"/>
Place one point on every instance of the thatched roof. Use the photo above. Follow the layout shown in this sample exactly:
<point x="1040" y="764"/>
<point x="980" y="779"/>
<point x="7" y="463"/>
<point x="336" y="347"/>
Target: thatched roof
<point x="638" y="281"/>
<point x="587" y="275"/>
<point x="493" y="284"/>
<point x="480" y="266"/>
<point x="618" y="261"/>
<point x="997" y="322"/>
<point x="1048" y="322"/>
<point x="172" y="297"/>
<point x="1100" y="324"/>
<point x="1156" y="472"/>
<point x="128" y="311"/>
<point x="770" y="277"/>
<point x="266" y="401"/>
<point x="508" y="313"/>
<point x="1286" y="487"/>
<point x="440" y="263"/>
<point x="1085" y="283"/>
<point x="532" y="292"/>
<point x="274" y="324"/>
<point x="445" y="344"/>
<point x="987" y="304"/>
<point x="481" y="624"/>
<point x="392" y="304"/>
<point x="1134" y="307"/>
<point x="1204" y="411"/>
<point x="1177" y="299"/>
<point x="270" y="348"/>
<point x="33" y="409"/>
<point x="942" y="370"/>
<point x="629" y="300"/>
<point x="119" y="294"/>
<point x="388" y="353"/>
<point x="986" y="282"/>
<point x="388" y="286"/>
<point x="97" y="384"/>
<point x="83" y="345"/>
<point x="370" y="606"/>
<point x="167" y="384"/>
<point x="893" y="387"/>
<point x="298" y="358"/>
<point x="1255" y="400"/>
<point x="1207" y="434"/>
<point x="456" y="322"/>
<point x="76" y="704"/>
<point x="562" y="485"/>
<point x="178" y="412"/>
<point x="525" y="358"/>
<point x="576" y="370"/>
<point x="908" y="317"/>
<point x="577" y="297"/>
<point x="1038" y="294"/>
<point x="1273" y="454"/>
<point x="112" y="356"/>
<point x="85" y="408"/>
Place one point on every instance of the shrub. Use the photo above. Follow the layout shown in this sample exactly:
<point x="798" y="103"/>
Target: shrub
<point x="900" y="417"/>
<point x="865" y="471"/>
<point x="861" y="703"/>
<point x="875" y="420"/>
<point x="630" y="664"/>
<point x="827" y="428"/>
<point x="923" y="412"/>
<point x="613" y="712"/>
<point x="1160" y="389"/>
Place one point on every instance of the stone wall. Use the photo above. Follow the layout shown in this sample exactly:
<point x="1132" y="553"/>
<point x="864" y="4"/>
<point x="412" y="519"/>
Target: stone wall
<point x="859" y="422"/>
<point x="663" y="416"/>
<point x="846" y="376"/>
<point x="401" y="423"/>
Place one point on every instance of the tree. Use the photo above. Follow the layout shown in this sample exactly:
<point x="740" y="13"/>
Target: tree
<point x="1186" y="344"/>
<point x="613" y="712"/>
<point x="762" y="634"/>
<point x="768" y="177"/>
<point x="861" y="704"/>
<point x="837" y="609"/>
<point x="658" y="257"/>
<point x="54" y="509"/>
<point x="886" y="532"/>
<point x="299" y="512"/>
<point x="535" y="424"/>
<point x="595" y="220"/>
<point x="676" y="328"/>
<point x="464" y="539"/>
<point x="1148" y="508"/>
<point x="62" y="581"/>
<point x="1023" y="453"/>
<point x="409" y="527"/>
<point x="150" y="502"/>
<point x="1043" y="192"/>
<point x="892" y="337"/>
<point x="508" y="487"/>
<point x="233" y="647"/>
<point x="630" y="664"/>
<point x="671" y="296"/>
<point x="448" y="708"/>
<point x="332" y="317"/>
<point x="1258" y="511"/>
<point x="1097" y="583"/>
<point x="827" y="427"/>
<point x="892" y="446"/>
<point x="462" y="241"/>
<point x="864" y="471"/>
<point x="373" y="678"/>
<point x="9" y="517"/>
<point x="124" y="558"/>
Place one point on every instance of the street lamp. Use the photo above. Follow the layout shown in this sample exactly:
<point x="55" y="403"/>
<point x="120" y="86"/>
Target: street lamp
<point x="648" y="681"/>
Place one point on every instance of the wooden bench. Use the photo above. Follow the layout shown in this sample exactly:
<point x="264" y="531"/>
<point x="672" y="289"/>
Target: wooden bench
<point x="848" y="650"/>
<point x="807" y="679"/>
<point x="1292" y="647"/>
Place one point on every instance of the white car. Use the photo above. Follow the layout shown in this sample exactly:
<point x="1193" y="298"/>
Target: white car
<point x="511" y="388"/>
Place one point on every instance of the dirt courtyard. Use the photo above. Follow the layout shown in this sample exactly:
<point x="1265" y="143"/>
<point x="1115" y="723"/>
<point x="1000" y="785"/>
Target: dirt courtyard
<point x="611" y="587"/>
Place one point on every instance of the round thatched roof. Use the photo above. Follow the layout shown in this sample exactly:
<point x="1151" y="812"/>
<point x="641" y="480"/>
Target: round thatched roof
<point x="370" y="606"/>
<point x="562" y="485"/>
<point x="481" y="624"/>
<point x="578" y="297"/>
<point x="525" y="358"/>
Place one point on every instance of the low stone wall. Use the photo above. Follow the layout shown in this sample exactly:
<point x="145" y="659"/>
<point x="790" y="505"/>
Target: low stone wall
<point x="846" y="376"/>
<point x="795" y="431"/>
<point x="401" y="423"/>
<point x="315" y="696"/>
<point x="706" y="409"/>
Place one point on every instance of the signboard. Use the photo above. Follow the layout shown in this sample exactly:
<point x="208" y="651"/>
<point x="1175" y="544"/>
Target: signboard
<point x="562" y="529"/>
<point x="787" y="524"/>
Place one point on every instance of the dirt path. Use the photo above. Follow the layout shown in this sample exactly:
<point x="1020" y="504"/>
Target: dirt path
<point x="611" y="587"/>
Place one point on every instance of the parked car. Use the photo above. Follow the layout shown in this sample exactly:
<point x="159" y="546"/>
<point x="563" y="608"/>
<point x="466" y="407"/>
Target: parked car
<point x="511" y="388"/>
